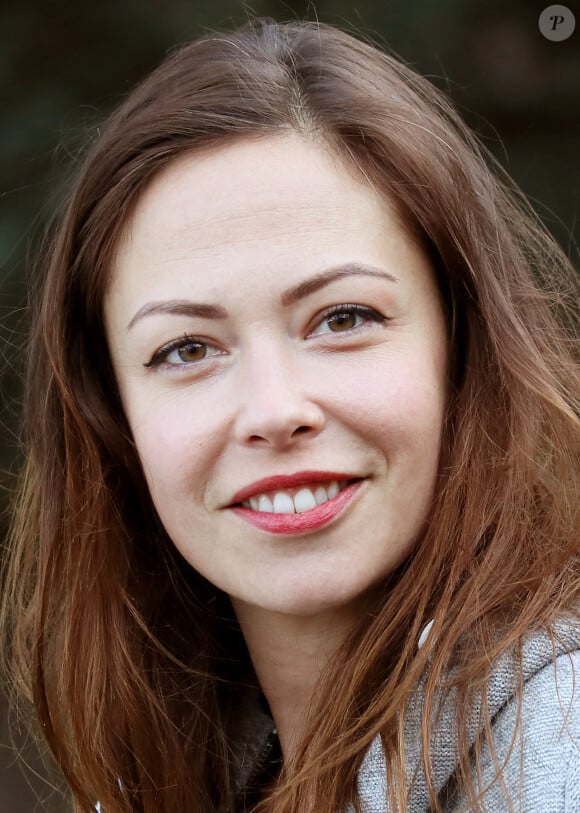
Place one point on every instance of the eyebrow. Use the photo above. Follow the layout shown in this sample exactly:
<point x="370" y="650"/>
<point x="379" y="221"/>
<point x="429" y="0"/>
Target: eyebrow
<point x="179" y="307"/>
<point x="307" y="287"/>
<point x="183" y="307"/>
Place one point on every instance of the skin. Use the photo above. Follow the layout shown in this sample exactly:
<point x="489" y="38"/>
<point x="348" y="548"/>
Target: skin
<point x="276" y="390"/>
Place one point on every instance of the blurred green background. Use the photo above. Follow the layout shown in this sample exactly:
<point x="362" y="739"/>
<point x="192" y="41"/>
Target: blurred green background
<point x="64" y="65"/>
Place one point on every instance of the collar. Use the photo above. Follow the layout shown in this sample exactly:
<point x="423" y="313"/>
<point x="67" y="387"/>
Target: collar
<point x="258" y="737"/>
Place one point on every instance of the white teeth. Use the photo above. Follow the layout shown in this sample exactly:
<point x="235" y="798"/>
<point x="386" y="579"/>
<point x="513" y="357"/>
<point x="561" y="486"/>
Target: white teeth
<point x="304" y="500"/>
<point x="283" y="503"/>
<point x="265" y="504"/>
<point x="332" y="490"/>
<point x="320" y="495"/>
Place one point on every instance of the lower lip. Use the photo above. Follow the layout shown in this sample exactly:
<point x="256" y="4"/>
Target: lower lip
<point x="298" y="523"/>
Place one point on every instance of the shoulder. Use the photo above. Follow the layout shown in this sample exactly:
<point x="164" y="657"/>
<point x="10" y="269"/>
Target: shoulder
<point x="552" y="696"/>
<point x="530" y="754"/>
<point x="540" y="758"/>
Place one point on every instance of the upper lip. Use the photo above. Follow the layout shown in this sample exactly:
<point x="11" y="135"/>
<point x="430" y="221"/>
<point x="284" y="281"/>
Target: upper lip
<point x="282" y="481"/>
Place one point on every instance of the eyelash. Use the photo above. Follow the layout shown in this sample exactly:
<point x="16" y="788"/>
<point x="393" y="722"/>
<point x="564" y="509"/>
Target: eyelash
<point x="369" y="314"/>
<point x="160" y="356"/>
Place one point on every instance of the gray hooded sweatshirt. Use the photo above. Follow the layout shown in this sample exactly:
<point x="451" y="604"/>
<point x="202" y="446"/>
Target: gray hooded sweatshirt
<point x="541" y="765"/>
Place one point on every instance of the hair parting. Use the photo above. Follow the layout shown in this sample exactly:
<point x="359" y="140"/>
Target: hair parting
<point x="131" y="660"/>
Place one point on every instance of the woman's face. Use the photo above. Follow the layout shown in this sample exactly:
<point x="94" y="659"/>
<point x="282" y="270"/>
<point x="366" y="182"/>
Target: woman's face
<point x="269" y="317"/>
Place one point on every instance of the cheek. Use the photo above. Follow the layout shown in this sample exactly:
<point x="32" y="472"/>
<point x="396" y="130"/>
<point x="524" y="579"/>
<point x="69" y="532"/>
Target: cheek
<point x="173" y="442"/>
<point x="399" y="404"/>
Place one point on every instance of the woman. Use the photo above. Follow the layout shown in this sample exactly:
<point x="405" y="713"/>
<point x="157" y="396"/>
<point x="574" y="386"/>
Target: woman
<point x="299" y="523"/>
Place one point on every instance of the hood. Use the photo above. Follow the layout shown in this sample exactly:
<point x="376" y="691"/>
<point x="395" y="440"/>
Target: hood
<point x="257" y="743"/>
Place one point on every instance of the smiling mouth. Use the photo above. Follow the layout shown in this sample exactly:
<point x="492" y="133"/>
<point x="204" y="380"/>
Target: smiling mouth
<point x="297" y="500"/>
<point x="290" y="523"/>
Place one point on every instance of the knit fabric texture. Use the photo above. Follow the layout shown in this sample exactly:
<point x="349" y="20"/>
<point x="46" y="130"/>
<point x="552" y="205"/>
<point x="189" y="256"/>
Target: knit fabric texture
<point x="540" y="764"/>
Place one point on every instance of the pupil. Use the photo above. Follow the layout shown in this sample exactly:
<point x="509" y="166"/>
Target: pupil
<point x="192" y="352"/>
<point x="343" y="320"/>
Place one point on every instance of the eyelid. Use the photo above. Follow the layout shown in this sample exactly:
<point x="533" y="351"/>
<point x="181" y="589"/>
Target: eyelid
<point x="160" y="355"/>
<point x="370" y="314"/>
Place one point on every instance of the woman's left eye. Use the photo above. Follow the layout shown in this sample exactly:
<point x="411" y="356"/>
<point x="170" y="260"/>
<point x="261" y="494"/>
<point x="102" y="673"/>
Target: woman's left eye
<point x="344" y="318"/>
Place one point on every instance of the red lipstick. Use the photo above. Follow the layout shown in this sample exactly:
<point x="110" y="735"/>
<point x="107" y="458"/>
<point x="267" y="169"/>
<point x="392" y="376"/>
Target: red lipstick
<point x="297" y="523"/>
<point x="281" y="481"/>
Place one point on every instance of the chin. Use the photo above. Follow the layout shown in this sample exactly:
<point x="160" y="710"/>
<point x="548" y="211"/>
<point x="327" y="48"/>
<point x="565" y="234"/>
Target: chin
<point x="311" y="601"/>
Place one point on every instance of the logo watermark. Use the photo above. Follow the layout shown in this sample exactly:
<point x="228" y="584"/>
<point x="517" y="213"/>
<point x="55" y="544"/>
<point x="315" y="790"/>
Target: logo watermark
<point x="557" y="23"/>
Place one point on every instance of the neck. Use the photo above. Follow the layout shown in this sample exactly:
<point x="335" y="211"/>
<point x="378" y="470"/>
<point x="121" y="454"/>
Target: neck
<point x="288" y="655"/>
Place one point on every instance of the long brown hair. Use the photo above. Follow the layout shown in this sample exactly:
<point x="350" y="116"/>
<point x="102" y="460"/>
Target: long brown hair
<point x="130" y="658"/>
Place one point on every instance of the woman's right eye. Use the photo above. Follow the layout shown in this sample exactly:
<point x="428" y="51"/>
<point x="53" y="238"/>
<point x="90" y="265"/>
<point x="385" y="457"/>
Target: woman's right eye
<point x="180" y="352"/>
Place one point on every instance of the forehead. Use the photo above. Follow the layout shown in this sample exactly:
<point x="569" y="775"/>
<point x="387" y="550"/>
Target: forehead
<point x="263" y="191"/>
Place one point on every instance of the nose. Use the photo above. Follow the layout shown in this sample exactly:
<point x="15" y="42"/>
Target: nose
<point x="276" y="409"/>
